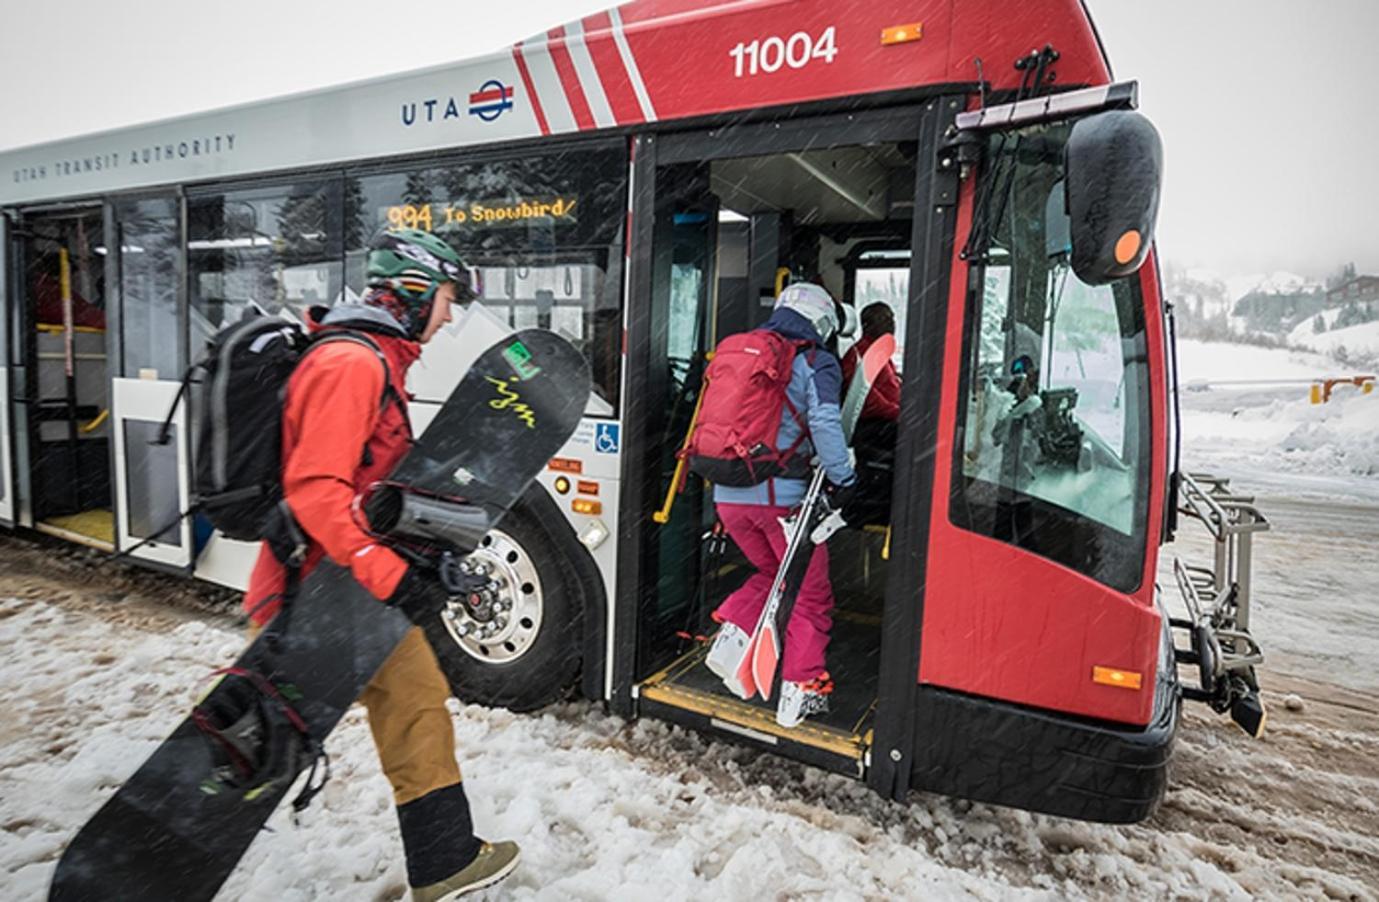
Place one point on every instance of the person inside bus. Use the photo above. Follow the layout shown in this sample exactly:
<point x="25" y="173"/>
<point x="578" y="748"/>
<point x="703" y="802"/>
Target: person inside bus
<point x="875" y="434"/>
<point x="804" y="313"/>
<point x="336" y="438"/>
<point x="1016" y="432"/>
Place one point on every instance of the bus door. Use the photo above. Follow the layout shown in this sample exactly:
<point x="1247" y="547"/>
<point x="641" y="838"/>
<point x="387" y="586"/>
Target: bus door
<point x="6" y="471"/>
<point x="722" y="220"/>
<point x="147" y="267"/>
<point x="58" y="344"/>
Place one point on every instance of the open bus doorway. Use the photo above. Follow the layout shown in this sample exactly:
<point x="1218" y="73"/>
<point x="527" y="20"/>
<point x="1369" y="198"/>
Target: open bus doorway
<point x="728" y="235"/>
<point x="65" y="385"/>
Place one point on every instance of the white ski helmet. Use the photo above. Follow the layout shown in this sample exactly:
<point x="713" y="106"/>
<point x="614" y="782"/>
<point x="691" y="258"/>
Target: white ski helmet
<point x="814" y="304"/>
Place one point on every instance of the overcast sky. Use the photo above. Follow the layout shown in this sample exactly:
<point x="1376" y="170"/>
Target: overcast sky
<point x="1267" y="108"/>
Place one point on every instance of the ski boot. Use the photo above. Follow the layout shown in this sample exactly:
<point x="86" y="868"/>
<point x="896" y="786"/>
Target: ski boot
<point x="801" y="700"/>
<point x="494" y="862"/>
<point x="725" y="657"/>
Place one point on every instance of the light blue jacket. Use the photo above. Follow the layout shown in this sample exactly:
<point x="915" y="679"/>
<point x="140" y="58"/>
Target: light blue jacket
<point x="815" y="391"/>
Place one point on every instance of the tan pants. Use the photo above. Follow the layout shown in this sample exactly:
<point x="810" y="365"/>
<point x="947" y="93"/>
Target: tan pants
<point x="409" y="721"/>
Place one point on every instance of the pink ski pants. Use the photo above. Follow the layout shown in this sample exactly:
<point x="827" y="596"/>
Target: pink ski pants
<point x="757" y="531"/>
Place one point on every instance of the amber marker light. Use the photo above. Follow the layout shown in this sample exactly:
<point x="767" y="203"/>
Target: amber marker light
<point x="586" y="506"/>
<point x="587" y="487"/>
<point x="562" y="485"/>
<point x="902" y="34"/>
<point x="1121" y="679"/>
<point x="1127" y="246"/>
<point x="566" y="465"/>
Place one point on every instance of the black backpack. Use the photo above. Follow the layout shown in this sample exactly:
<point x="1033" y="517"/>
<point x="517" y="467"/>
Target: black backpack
<point x="237" y="414"/>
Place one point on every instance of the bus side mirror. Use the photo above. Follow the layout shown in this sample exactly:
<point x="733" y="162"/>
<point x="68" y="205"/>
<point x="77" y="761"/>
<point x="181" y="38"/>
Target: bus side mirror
<point x="1114" y="167"/>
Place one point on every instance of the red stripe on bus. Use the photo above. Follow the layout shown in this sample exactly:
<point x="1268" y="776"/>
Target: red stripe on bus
<point x="569" y="78"/>
<point x="531" y="89"/>
<point x="490" y="96"/>
<point x="617" y="84"/>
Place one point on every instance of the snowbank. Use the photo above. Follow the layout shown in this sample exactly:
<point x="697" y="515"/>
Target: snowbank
<point x="1273" y="428"/>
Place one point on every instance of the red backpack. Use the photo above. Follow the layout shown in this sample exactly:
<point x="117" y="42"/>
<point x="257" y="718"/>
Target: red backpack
<point x="734" y="437"/>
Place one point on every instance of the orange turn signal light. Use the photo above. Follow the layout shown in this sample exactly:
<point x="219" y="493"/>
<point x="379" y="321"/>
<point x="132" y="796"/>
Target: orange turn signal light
<point x="1127" y="246"/>
<point x="902" y="34"/>
<point x="566" y="465"/>
<point x="586" y="506"/>
<point x="588" y="487"/>
<point x="1121" y="679"/>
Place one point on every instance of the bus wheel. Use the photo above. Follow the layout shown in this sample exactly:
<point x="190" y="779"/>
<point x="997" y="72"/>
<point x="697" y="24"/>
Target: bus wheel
<point x="519" y="648"/>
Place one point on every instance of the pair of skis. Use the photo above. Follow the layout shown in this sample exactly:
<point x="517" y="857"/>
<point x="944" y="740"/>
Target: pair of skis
<point x="757" y="672"/>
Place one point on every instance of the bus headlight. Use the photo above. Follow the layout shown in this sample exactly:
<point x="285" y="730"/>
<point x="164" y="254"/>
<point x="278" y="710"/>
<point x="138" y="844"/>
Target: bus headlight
<point x="593" y="534"/>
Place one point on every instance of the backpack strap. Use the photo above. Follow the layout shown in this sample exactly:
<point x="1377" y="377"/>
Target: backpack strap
<point x="800" y="421"/>
<point x="390" y="394"/>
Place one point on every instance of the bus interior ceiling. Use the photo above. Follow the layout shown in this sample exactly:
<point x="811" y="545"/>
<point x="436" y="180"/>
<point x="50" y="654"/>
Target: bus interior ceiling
<point x="728" y="234"/>
<point x="63" y="264"/>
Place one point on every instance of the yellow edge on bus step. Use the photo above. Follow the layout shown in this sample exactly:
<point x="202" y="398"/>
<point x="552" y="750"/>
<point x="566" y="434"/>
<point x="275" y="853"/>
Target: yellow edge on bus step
<point x="93" y="524"/>
<point x="758" y="720"/>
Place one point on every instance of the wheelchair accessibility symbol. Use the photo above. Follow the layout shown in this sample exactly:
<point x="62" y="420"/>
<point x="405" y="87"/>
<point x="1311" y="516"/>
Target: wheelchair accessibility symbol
<point x="606" y="438"/>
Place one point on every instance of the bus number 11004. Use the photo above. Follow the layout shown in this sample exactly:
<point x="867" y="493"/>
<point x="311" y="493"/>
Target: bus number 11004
<point x="770" y="54"/>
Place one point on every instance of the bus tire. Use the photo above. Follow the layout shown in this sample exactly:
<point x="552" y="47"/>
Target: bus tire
<point x="528" y="655"/>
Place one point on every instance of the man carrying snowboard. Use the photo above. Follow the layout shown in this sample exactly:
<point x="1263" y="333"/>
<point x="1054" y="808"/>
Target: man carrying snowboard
<point x="784" y="378"/>
<point x="345" y="427"/>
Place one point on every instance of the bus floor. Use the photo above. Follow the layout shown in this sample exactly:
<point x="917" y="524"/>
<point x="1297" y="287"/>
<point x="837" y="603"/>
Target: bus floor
<point x="853" y="662"/>
<point x="95" y="527"/>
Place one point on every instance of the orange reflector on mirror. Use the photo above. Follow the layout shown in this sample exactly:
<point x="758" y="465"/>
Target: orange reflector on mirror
<point x="585" y="506"/>
<point x="566" y="465"/>
<point x="1123" y="679"/>
<point x="901" y="34"/>
<point x="1127" y="246"/>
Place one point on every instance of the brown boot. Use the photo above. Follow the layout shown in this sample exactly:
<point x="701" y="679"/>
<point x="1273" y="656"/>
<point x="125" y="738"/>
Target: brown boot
<point x="494" y="862"/>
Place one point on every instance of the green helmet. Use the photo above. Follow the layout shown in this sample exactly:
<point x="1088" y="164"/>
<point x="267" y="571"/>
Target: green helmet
<point x="413" y="264"/>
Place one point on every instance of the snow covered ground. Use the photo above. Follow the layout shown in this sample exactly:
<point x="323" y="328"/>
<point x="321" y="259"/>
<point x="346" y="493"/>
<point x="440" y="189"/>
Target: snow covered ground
<point x="609" y="810"/>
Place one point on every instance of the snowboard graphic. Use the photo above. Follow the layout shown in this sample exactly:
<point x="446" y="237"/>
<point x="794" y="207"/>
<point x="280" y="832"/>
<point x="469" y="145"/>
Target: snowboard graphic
<point x="762" y="660"/>
<point x="162" y="836"/>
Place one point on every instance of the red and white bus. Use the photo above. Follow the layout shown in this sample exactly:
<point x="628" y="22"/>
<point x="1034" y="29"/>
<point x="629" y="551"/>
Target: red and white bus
<point x="644" y="181"/>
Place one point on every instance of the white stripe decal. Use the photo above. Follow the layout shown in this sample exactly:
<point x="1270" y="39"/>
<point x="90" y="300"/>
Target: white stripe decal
<point x="556" y="105"/>
<point x="588" y="76"/>
<point x="630" y="62"/>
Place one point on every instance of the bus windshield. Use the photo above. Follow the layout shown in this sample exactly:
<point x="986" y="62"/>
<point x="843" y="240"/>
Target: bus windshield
<point x="1055" y="420"/>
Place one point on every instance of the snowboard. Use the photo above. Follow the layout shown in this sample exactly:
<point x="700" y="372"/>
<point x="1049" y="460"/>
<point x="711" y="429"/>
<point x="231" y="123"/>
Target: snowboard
<point x="759" y="665"/>
<point x="164" y="835"/>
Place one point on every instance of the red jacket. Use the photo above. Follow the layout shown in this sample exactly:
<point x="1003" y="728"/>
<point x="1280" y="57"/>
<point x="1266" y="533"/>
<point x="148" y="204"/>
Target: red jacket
<point x="883" y="403"/>
<point x="330" y="416"/>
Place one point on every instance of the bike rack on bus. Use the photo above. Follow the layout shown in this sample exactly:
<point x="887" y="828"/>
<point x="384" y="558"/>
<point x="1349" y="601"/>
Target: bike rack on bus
<point x="1218" y="602"/>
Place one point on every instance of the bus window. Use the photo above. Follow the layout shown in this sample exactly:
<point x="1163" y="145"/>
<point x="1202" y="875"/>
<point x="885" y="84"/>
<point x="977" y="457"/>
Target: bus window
<point x="150" y="232"/>
<point x="277" y="248"/>
<point x="543" y="234"/>
<point x="1055" y="446"/>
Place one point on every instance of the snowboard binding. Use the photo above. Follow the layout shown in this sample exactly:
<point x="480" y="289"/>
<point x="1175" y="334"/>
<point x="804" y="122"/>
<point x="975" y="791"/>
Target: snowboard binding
<point x="257" y="738"/>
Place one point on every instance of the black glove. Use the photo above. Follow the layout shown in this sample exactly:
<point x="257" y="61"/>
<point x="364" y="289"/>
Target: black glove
<point x="840" y="496"/>
<point x="419" y="595"/>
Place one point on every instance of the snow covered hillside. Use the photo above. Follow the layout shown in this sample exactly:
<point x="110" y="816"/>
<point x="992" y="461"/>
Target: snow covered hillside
<point x="1359" y="343"/>
<point x="1272" y="428"/>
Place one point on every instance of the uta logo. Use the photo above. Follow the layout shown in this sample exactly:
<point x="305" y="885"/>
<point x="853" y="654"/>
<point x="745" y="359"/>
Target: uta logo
<point x="510" y="400"/>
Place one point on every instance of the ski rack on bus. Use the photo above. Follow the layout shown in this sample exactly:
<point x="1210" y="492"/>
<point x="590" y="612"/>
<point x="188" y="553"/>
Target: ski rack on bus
<point x="1217" y="599"/>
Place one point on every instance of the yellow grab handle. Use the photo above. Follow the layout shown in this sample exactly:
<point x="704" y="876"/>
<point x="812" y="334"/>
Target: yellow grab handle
<point x="663" y="515"/>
